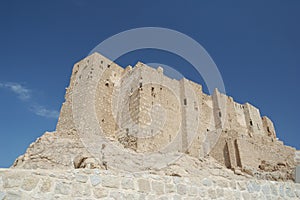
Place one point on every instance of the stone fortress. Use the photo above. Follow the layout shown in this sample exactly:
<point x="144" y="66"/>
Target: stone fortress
<point x="135" y="133"/>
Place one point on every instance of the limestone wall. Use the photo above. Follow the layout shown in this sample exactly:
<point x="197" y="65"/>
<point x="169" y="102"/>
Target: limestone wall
<point x="99" y="184"/>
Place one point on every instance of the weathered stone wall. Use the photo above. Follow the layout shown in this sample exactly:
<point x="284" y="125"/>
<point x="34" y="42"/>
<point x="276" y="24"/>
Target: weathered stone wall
<point x="235" y="150"/>
<point x="99" y="184"/>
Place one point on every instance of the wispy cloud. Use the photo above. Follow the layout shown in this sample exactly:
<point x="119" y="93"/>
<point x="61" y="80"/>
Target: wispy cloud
<point x="25" y="95"/>
<point x="22" y="92"/>
<point x="44" y="112"/>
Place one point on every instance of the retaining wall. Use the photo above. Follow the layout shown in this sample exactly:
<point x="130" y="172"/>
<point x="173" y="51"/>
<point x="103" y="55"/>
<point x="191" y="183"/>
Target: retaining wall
<point x="106" y="184"/>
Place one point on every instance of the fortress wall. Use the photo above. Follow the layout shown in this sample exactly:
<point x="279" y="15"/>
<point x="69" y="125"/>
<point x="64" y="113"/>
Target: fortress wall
<point x="190" y="113"/>
<point x="253" y="119"/>
<point x="160" y="114"/>
<point x="110" y="77"/>
<point x="147" y="103"/>
<point x="199" y="137"/>
<point x="126" y="105"/>
<point x="208" y="123"/>
<point x="236" y="150"/>
<point x="259" y="150"/>
<point x="221" y="152"/>
<point x="240" y="116"/>
<point x="92" y="62"/>
<point x="231" y="121"/>
<point x="207" y="115"/>
<point x="269" y="127"/>
<point x="235" y="117"/>
<point x="185" y="103"/>
<point x="114" y="103"/>
<point x="227" y="151"/>
<point x="65" y="120"/>
<point x="92" y="93"/>
<point x="231" y="115"/>
<point x="252" y="155"/>
<point x="219" y="108"/>
<point x="97" y="184"/>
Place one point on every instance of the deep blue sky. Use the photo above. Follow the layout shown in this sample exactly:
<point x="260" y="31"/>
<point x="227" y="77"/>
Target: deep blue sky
<point x="256" y="46"/>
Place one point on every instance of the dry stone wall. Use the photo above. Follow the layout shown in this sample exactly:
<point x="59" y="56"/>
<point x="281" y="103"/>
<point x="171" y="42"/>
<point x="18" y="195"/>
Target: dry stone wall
<point x="105" y="184"/>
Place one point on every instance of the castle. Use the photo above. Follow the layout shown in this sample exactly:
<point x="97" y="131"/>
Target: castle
<point x="146" y="111"/>
<point x="138" y="119"/>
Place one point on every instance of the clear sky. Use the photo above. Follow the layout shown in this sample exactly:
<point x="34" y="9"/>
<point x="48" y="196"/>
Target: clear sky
<point x="255" y="44"/>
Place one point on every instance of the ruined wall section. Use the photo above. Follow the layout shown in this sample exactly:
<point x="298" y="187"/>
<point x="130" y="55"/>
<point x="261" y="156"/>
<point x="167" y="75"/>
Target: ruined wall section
<point x="230" y="115"/>
<point x="65" y="120"/>
<point x="59" y="149"/>
<point x="110" y="76"/>
<point x="269" y="127"/>
<point x="127" y="107"/>
<point x="207" y="114"/>
<point x="126" y="102"/>
<point x="253" y="154"/>
<point x="218" y="105"/>
<point x="207" y="119"/>
<point x="235" y="117"/>
<point x="160" y="111"/>
<point x="190" y="113"/>
<point x="92" y="62"/>
<point x="240" y="118"/>
<point x="248" y="141"/>
<point x="88" y="106"/>
<point x="261" y="149"/>
<point x="253" y="119"/>
<point x="226" y="151"/>
<point x="202" y="120"/>
<point x="219" y="109"/>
